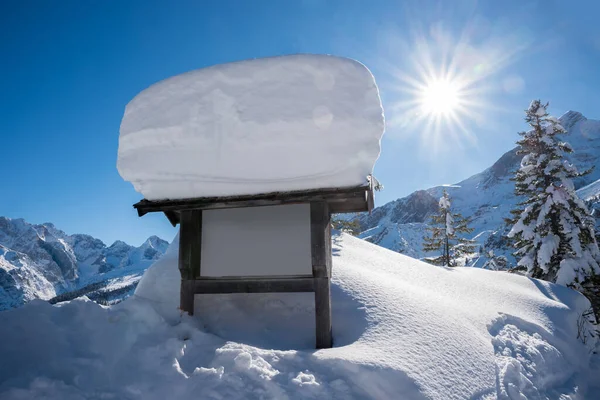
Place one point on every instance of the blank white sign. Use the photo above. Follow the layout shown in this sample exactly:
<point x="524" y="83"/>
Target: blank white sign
<point x="256" y="241"/>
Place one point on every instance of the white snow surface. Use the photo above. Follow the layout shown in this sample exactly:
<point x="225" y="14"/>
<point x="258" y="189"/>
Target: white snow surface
<point x="402" y="329"/>
<point x="590" y="192"/>
<point x="272" y="124"/>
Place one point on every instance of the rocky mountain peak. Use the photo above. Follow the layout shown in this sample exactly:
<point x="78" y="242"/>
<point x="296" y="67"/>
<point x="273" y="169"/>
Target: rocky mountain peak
<point x="119" y="244"/>
<point x="416" y="207"/>
<point x="155" y="242"/>
<point x="505" y="166"/>
<point x="41" y="261"/>
<point x="570" y="118"/>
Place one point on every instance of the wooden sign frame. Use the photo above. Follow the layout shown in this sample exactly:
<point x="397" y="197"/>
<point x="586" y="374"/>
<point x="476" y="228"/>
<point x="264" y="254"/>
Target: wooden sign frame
<point x="323" y="203"/>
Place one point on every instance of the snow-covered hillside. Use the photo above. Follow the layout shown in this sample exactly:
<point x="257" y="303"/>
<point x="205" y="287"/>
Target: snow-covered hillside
<point x="41" y="261"/>
<point x="403" y="329"/>
<point x="590" y="192"/>
<point x="486" y="197"/>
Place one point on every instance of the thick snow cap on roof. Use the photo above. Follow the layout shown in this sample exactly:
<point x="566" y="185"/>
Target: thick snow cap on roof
<point x="273" y="124"/>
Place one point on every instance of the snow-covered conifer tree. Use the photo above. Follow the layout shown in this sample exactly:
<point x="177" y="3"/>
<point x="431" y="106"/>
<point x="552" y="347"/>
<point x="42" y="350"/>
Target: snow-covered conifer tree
<point x="553" y="230"/>
<point x="350" y="226"/>
<point x="444" y="235"/>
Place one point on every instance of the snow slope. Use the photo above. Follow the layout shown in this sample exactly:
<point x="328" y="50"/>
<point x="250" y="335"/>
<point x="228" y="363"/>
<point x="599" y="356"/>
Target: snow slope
<point x="403" y="329"/>
<point x="41" y="261"/>
<point x="251" y="126"/>
<point x="590" y="192"/>
<point x="486" y="197"/>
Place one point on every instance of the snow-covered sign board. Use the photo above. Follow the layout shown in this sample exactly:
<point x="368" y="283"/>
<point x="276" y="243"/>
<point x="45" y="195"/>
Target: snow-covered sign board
<point x="252" y="159"/>
<point x="266" y="125"/>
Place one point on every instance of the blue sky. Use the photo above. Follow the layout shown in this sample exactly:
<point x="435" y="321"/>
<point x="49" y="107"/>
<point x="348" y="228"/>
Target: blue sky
<point x="68" y="69"/>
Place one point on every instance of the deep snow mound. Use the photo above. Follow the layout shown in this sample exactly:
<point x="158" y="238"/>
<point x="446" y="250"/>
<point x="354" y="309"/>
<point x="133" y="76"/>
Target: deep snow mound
<point x="250" y="126"/>
<point x="403" y="329"/>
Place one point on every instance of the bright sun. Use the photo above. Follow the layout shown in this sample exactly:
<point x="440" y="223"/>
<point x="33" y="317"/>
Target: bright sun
<point x="441" y="101"/>
<point x="443" y="82"/>
<point x="440" y="98"/>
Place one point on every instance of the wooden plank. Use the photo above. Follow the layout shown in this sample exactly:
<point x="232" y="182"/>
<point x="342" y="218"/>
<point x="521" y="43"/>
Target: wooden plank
<point x="324" y="336"/>
<point x="254" y="277"/>
<point x="190" y="244"/>
<point x="186" y="297"/>
<point x="356" y="202"/>
<point x="348" y="206"/>
<point x="370" y="200"/>
<point x="173" y="217"/>
<point x="190" y="240"/>
<point x="341" y="200"/>
<point x="254" y="285"/>
<point x="197" y="250"/>
<point x="320" y="239"/>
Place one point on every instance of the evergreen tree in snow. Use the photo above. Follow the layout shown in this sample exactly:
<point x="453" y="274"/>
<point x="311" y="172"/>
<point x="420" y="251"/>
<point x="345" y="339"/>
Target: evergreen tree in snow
<point x="349" y="226"/>
<point x="443" y="237"/>
<point x="553" y="230"/>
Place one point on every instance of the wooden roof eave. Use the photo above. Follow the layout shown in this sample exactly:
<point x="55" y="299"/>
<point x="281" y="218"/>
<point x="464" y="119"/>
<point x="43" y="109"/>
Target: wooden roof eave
<point x="340" y="200"/>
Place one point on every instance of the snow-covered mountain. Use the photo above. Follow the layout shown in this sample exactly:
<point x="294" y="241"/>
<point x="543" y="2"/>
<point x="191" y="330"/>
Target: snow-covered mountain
<point x="486" y="197"/>
<point x="41" y="261"/>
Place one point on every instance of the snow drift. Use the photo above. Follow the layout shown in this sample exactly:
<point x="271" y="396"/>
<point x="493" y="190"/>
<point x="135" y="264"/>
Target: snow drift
<point x="402" y="330"/>
<point x="273" y="124"/>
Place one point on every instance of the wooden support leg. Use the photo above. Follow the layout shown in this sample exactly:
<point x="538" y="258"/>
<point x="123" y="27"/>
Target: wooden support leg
<point x="186" y="296"/>
<point x="190" y="245"/>
<point x="323" y="313"/>
<point x="320" y="233"/>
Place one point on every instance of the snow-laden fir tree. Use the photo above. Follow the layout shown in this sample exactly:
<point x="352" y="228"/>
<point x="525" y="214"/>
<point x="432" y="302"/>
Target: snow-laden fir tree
<point x="553" y="230"/>
<point x="445" y="237"/>
<point x="349" y="226"/>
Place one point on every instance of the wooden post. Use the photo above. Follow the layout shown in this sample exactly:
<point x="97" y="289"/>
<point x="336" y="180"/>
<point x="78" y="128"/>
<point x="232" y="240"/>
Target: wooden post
<point x="190" y="243"/>
<point x="186" y="296"/>
<point x="320" y="237"/>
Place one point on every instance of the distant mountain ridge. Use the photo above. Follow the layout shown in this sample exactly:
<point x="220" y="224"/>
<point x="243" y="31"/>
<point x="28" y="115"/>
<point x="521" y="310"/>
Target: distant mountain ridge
<point x="41" y="261"/>
<point x="486" y="197"/>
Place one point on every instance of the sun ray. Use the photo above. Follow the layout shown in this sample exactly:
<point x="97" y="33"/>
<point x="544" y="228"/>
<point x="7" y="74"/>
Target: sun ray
<point x="444" y="84"/>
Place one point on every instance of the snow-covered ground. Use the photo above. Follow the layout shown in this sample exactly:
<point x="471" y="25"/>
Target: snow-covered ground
<point x="403" y="329"/>
<point x="234" y="129"/>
